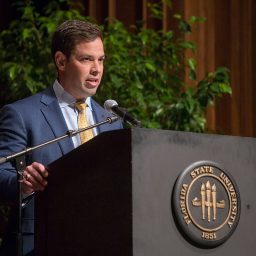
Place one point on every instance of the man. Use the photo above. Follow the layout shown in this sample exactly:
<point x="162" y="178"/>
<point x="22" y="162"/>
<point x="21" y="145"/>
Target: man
<point x="78" y="54"/>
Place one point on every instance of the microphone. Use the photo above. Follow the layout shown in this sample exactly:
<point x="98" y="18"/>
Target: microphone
<point x="112" y="106"/>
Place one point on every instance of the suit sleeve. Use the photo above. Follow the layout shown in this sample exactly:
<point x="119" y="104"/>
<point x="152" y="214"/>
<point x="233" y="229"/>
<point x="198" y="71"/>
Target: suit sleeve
<point x="13" y="139"/>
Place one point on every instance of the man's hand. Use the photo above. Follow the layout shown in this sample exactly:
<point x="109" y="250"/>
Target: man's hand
<point x="34" y="178"/>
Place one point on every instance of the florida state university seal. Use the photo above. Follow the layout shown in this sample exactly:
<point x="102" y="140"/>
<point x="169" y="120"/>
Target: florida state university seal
<point x="206" y="204"/>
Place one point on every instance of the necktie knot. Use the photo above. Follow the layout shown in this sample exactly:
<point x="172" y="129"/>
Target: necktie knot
<point x="80" y="105"/>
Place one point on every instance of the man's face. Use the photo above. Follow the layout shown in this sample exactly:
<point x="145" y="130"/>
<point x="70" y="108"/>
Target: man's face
<point x="80" y="75"/>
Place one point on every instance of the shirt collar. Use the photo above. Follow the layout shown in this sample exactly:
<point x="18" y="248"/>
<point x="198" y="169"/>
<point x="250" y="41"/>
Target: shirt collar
<point x="64" y="98"/>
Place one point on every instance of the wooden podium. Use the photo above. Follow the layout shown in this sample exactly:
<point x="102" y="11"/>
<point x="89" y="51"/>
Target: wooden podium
<point x="114" y="195"/>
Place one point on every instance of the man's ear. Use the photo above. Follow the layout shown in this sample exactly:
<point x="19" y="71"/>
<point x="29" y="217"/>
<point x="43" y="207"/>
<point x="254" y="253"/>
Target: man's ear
<point x="60" y="60"/>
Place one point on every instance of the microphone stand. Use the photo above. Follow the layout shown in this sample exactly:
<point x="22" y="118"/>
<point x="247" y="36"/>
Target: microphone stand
<point x="19" y="161"/>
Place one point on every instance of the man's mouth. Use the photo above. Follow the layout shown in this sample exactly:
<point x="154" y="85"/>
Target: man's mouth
<point x="92" y="82"/>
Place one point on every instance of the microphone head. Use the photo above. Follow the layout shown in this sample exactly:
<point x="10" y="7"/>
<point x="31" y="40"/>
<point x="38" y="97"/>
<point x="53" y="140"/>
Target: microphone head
<point x="109" y="104"/>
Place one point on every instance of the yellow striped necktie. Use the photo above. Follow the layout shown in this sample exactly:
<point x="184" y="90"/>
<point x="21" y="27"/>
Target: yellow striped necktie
<point x="82" y="122"/>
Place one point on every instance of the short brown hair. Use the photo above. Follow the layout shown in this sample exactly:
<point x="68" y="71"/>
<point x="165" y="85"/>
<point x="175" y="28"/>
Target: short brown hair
<point x="72" y="32"/>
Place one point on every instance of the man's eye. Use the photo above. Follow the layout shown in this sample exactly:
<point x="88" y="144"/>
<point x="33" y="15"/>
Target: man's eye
<point x="85" y="59"/>
<point x="102" y="59"/>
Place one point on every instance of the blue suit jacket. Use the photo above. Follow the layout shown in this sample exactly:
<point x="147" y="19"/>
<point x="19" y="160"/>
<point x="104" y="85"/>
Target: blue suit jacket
<point x="30" y="122"/>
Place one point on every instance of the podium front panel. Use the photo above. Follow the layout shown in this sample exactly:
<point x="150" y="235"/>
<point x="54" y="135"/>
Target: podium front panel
<point x="114" y="195"/>
<point x="159" y="157"/>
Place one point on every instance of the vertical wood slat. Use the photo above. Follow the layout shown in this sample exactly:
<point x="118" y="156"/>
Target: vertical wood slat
<point x="235" y="46"/>
<point x="129" y="12"/>
<point x="210" y="56"/>
<point x="241" y="67"/>
<point x="246" y="120"/>
<point x="222" y="58"/>
<point x="203" y="35"/>
<point x="198" y="35"/>
<point x="111" y="9"/>
<point x="165" y="17"/>
<point x="253" y="54"/>
<point x="97" y="9"/>
<point x="92" y="8"/>
<point x="144" y="11"/>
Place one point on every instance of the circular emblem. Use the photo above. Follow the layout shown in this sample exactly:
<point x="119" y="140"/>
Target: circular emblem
<point x="206" y="204"/>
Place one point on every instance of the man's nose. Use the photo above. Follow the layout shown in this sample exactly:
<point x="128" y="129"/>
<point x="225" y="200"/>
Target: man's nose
<point x="95" y="69"/>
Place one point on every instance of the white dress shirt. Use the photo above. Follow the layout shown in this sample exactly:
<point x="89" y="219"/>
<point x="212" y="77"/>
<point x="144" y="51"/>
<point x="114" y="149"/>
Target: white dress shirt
<point x="70" y="113"/>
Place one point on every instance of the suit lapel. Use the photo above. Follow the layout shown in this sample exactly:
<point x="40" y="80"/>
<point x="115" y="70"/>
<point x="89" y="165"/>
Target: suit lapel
<point x="100" y="114"/>
<point x="55" y="119"/>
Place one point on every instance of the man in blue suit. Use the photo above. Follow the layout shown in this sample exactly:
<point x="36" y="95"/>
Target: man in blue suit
<point x="78" y="54"/>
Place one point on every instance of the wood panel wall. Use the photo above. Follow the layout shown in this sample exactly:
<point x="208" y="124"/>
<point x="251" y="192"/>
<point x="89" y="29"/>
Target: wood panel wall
<point x="227" y="39"/>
